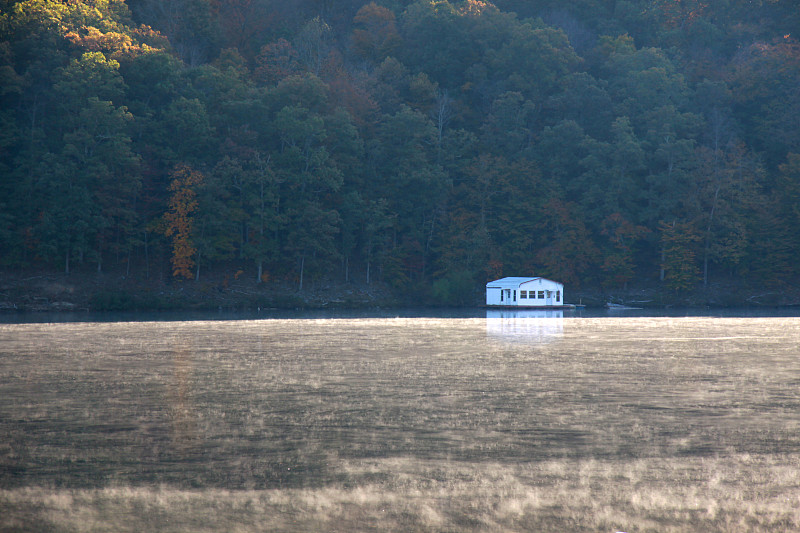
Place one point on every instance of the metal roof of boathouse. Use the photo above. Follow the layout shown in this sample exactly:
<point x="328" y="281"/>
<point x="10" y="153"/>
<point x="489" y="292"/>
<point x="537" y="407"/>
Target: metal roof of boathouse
<point x="515" y="281"/>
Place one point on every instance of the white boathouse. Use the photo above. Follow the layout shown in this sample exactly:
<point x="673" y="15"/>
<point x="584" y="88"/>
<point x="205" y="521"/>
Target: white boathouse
<point x="524" y="292"/>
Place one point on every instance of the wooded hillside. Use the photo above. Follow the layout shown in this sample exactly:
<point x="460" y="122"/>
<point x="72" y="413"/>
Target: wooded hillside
<point x="427" y="144"/>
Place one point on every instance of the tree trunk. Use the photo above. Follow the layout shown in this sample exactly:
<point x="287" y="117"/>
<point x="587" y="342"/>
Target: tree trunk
<point x="302" y="268"/>
<point x="662" y="272"/>
<point x="146" y="257"/>
<point x="707" y="247"/>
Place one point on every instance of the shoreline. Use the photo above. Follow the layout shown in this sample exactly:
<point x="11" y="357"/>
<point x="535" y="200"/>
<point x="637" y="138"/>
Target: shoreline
<point x="92" y="292"/>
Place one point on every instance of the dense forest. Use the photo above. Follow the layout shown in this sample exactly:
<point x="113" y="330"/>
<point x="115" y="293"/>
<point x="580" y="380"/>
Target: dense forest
<point x="427" y="144"/>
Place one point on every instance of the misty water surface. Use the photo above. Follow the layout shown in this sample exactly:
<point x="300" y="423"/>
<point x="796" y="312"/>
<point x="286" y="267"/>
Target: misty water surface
<point x="284" y="404"/>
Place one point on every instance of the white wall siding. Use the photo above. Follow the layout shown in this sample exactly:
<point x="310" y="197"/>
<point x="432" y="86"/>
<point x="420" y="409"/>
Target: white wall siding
<point x="524" y="292"/>
<point x="493" y="296"/>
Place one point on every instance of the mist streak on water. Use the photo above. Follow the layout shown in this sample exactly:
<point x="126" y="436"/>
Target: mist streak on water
<point x="413" y="412"/>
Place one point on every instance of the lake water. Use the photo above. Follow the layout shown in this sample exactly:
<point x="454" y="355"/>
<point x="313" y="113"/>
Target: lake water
<point x="499" y="422"/>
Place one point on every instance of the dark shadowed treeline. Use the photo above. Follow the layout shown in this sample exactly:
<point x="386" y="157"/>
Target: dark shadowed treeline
<point x="422" y="143"/>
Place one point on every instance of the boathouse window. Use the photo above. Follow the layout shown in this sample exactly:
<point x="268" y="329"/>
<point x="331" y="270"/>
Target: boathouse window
<point x="541" y="294"/>
<point x="523" y="295"/>
<point x="558" y="296"/>
<point x="501" y="295"/>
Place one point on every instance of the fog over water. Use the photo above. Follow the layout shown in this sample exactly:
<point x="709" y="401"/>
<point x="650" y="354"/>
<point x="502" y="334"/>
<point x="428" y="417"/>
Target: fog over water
<point x="507" y="420"/>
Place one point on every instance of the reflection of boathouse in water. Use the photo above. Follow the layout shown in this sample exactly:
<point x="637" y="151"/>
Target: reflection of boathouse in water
<point x="526" y="326"/>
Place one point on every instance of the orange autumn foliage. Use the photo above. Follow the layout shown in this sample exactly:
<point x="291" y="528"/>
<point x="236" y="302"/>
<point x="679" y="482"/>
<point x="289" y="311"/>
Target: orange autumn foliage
<point x="375" y="35"/>
<point x="178" y="218"/>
